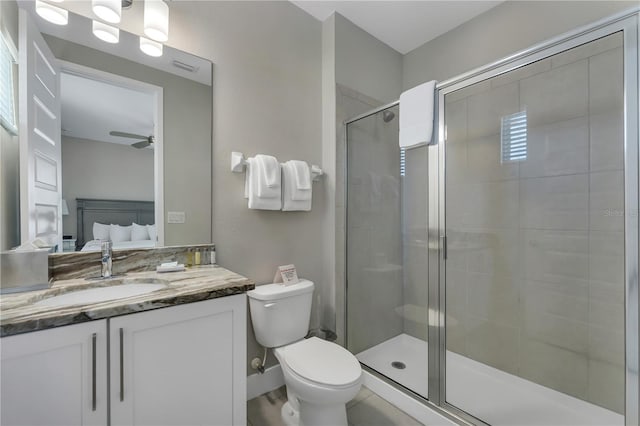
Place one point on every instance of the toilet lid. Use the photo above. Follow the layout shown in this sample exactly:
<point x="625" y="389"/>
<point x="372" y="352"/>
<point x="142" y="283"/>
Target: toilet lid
<point x="322" y="362"/>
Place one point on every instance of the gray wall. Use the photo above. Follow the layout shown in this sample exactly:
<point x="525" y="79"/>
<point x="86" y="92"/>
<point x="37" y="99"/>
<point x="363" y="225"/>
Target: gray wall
<point x="331" y="318"/>
<point x="92" y="169"/>
<point x="365" y="64"/>
<point x="9" y="152"/>
<point x="187" y="137"/>
<point x="510" y="27"/>
<point x="267" y="99"/>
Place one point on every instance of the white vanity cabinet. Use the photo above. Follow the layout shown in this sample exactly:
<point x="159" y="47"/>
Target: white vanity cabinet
<point x="180" y="365"/>
<point x="184" y="365"/>
<point x="55" y="377"/>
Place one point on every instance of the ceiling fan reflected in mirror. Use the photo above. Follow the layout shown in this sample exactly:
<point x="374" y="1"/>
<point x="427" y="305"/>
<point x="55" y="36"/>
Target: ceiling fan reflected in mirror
<point x="145" y="142"/>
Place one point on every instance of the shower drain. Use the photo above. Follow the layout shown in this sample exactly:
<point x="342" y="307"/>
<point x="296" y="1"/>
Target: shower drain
<point x="399" y="365"/>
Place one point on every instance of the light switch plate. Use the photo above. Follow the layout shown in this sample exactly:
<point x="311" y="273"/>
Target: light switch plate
<point x="176" y="217"/>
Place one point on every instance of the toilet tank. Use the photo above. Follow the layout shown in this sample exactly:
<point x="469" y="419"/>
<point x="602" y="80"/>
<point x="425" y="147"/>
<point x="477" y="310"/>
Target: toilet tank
<point x="280" y="314"/>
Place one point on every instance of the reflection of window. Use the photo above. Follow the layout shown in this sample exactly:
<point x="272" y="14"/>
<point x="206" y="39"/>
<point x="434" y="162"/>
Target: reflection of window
<point x="513" y="137"/>
<point x="7" y="95"/>
<point x="403" y="162"/>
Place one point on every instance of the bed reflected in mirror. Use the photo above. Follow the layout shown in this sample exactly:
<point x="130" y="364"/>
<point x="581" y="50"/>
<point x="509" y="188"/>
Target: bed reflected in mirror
<point x="127" y="224"/>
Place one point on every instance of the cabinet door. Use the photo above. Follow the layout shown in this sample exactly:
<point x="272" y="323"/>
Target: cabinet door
<point x="55" y="377"/>
<point x="184" y="365"/>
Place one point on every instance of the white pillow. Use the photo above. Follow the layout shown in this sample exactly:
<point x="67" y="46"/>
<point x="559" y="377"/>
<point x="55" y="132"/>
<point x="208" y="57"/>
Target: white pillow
<point x="120" y="233"/>
<point x="153" y="232"/>
<point x="139" y="232"/>
<point x="100" y="231"/>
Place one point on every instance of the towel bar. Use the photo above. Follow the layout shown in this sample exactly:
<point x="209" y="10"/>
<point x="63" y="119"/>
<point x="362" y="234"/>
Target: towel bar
<point x="238" y="164"/>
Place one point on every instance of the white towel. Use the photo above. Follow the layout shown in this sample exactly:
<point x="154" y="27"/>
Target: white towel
<point x="269" y="176"/>
<point x="255" y="202"/>
<point x="302" y="182"/>
<point x="295" y="197"/>
<point x="416" y="115"/>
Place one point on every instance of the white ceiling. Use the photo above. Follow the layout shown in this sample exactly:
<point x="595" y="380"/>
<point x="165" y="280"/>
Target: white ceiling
<point x="91" y="109"/>
<point x="403" y="25"/>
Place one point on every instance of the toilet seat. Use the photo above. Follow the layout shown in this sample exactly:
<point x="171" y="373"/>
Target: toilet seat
<point x="323" y="363"/>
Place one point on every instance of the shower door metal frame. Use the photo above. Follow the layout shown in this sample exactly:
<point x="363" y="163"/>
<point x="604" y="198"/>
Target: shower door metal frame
<point x="627" y="23"/>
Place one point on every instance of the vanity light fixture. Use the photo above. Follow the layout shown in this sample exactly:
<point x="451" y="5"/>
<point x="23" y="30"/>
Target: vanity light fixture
<point x="51" y="13"/>
<point x="150" y="47"/>
<point x="156" y="20"/>
<point x="107" y="10"/>
<point x="106" y="32"/>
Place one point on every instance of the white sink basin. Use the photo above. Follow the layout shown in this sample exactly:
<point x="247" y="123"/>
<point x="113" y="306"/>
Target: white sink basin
<point x="102" y="294"/>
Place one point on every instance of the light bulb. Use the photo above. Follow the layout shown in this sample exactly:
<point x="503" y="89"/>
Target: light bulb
<point x="52" y="13"/>
<point x="107" y="10"/>
<point x="156" y="20"/>
<point x="106" y="32"/>
<point x="150" y="47"/>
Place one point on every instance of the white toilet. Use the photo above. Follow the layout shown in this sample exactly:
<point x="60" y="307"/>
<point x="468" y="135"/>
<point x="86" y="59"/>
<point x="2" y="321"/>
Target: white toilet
<point x="321" y="376"/>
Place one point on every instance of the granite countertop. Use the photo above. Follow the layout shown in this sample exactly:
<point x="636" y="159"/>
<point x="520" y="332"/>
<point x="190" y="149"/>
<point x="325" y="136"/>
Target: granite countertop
<point x="19" y="312"/>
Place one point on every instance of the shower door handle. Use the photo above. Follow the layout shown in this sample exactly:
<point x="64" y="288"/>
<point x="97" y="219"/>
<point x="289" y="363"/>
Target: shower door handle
<point x="443" y="240"/>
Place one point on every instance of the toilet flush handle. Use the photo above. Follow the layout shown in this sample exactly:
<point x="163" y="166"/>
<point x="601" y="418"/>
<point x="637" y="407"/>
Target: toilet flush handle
<point x="268" y="305"/>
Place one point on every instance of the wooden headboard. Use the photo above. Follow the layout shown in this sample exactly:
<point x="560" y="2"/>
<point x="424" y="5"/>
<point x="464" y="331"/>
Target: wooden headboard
<point x="117" y="212"/>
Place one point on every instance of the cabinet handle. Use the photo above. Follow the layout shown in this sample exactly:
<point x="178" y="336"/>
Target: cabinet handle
<point x="121" y="364"/>
<point x="93" y="371"/>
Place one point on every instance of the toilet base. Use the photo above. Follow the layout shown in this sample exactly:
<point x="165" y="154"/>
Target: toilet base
<point x="314" y="415"/>
<point x="290" y="417"/>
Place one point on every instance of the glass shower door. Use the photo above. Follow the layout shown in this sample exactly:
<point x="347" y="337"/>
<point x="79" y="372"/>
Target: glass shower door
<point x="535" y="277"/>
<point x="386" y="251"/>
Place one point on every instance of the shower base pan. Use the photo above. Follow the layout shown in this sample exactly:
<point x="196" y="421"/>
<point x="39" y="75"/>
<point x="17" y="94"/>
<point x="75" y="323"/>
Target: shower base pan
<point x="490" y="394"/>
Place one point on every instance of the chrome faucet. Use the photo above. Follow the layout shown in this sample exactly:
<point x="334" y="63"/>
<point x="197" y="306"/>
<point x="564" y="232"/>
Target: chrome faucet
<point x="107" y="260"/>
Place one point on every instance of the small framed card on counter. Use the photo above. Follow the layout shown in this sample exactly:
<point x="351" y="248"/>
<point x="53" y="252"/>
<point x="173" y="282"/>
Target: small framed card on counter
<point x="286" y="274"/>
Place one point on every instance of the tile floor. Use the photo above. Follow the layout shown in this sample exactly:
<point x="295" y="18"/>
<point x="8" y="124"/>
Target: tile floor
<point x="366" y="409"/>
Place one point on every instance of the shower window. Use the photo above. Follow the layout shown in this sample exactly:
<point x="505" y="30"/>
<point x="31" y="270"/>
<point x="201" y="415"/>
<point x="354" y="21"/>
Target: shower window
<point x="513" y="137"/>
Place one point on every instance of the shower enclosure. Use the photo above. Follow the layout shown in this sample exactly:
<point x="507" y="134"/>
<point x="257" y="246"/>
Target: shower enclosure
<point x="493" y="274"/>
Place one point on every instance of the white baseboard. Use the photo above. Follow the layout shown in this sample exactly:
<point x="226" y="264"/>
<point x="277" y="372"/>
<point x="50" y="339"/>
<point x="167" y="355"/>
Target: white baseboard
<point x="258" y="384"/>
<point x="404" y="402"/>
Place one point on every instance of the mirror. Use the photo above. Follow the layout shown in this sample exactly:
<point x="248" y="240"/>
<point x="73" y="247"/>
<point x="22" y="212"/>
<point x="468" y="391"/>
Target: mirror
<point x="135" y="139"/>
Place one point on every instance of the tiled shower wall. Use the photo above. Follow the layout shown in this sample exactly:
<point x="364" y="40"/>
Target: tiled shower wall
<point x="535" y="274"/>
<point x="414" y="240"/>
